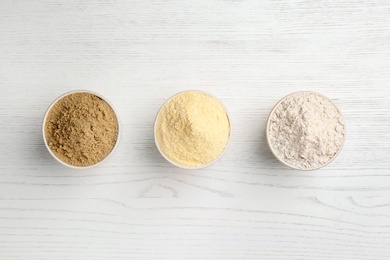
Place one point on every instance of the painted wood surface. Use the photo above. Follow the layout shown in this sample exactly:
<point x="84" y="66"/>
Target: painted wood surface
<point x="246" y="206"/>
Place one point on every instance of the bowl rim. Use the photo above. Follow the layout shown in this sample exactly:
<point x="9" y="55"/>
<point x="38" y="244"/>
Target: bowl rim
<point x="55" y="102"/>
<point x="268" y="137"/>
<point x="155" y="130"/>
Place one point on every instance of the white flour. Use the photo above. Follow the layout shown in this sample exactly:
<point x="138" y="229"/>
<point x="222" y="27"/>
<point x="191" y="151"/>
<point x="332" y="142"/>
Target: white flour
<point x="306" y="130"/>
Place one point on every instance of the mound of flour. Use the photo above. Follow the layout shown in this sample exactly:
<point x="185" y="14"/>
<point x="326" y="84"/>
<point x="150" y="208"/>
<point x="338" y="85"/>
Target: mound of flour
<point x="306" y="130"/>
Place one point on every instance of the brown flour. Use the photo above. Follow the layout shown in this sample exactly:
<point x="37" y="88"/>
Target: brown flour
<point x="81" y="129"/>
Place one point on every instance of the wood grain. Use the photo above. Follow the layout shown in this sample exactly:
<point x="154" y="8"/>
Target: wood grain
<point x="246" y="206"/>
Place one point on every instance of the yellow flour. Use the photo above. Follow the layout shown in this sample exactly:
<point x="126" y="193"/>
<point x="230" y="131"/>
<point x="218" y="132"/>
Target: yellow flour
<point x="193" y="129"/>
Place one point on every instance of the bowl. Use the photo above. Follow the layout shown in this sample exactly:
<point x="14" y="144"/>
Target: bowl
<point x="172" y="161"/>
<point x="45" y="134"/>
<point x="276" y="154"/>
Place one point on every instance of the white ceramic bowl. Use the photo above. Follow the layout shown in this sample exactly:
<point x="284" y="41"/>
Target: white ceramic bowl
<point x="178" y="164"/>
<point x="276" y="154"/>
<point x="44" y="132"/>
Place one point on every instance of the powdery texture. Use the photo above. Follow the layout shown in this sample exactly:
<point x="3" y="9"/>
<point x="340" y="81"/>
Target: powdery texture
<point x="81" y="129"/>
<point x="306" y="130"/>
<point x="193" y="129"/>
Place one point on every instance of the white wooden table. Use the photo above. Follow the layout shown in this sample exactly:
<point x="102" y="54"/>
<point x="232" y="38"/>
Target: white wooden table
<point x="247" y="53"/>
